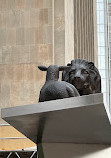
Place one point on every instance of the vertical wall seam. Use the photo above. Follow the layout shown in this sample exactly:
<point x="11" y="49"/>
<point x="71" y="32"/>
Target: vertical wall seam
<point x="53" y="59"/>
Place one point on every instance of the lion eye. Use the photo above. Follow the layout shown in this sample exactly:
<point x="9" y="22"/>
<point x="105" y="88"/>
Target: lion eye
<point x="85" y="72"/>
<point x="72" y="72"/>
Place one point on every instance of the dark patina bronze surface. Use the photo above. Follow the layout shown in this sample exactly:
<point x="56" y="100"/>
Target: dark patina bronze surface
<point x="84" y="76"/>
<point x="54" y="89"/>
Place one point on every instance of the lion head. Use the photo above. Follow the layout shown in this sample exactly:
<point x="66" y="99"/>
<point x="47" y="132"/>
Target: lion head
<point x="84" y="76"/>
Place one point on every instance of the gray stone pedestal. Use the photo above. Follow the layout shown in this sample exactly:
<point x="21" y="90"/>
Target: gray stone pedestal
<point x="60" y="124"/>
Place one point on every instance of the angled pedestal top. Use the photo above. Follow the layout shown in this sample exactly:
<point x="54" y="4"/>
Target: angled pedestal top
<point x="72" y="120"/>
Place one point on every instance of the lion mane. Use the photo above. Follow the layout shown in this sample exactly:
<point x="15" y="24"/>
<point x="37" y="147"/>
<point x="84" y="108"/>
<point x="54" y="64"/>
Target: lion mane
<point x="84" y="76"/>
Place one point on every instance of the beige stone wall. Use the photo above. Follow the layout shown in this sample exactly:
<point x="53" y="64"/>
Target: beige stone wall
<point x="25" y="42"/>
<point x="85" y="40"/>
<point x="59" y="32"/>
<point x="75" y="30"/>
<point x="63" y="31"/>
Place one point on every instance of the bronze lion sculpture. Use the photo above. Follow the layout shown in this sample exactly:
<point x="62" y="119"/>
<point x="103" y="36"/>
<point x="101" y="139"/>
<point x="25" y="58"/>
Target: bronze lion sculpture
<point x="84" y="76"/>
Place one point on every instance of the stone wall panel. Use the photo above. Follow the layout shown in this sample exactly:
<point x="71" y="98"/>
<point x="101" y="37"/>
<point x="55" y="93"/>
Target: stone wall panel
<point x="25" y="42"/>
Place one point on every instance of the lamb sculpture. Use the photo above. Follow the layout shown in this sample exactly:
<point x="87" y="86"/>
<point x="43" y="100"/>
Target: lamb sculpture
<point x="54" y="89"/>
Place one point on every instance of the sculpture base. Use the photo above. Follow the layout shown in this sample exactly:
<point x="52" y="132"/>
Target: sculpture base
<point x="70" y="150"/>
<point x="73" y="120"/>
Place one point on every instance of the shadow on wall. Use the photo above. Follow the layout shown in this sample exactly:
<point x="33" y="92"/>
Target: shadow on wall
<point x="64" y="150"/>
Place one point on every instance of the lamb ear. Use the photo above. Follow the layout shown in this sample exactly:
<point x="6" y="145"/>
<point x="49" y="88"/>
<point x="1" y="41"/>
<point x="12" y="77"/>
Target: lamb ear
<point x="91" y="65"/>
<point x="62" y="68"/>
<point x="68" y="64"/>
<point x="42" y="68"/>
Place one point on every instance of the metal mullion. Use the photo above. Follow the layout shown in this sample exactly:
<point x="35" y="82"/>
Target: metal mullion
<point x="33" y="154"/>
<point x="17" y="154"/>
<point x="9" y="154"/>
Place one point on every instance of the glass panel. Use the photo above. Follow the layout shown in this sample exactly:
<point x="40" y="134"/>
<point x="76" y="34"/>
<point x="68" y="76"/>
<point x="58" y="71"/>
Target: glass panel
<point x="98" y="28"/>
<point x="102" y="47"/>
<point x="102" y="73"/>
<point x="98" y="17"/>
<point x="109" y="28"/>
<point x="100" y="6"/>
<point x="99" y="62"/>
<point x="102" y="50"/>
<point x="103" y="85"/>
<point x="110" y="37"/>
<point x="109" y="19"/>
<point x="103" y="62"/>
<point x="101" y="17"/>
<point x="99" y="50"/>
<point x="99" y="44"/>
<point x="101" y="28"/>
<point x="100" y="0"/>
<point x="102" y="40"/>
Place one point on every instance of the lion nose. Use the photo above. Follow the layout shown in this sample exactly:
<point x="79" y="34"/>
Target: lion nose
<point x="77" y="78"/>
